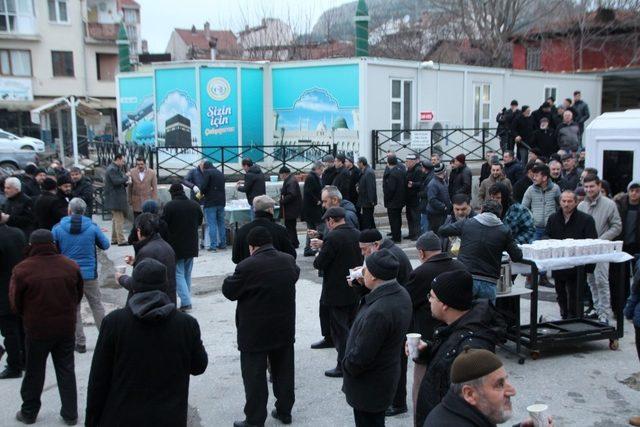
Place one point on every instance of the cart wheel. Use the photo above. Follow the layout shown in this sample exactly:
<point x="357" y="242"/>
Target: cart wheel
<point x="613" y="344"/>
<point x="521" y="361"/>
<point x="535" y="354"/>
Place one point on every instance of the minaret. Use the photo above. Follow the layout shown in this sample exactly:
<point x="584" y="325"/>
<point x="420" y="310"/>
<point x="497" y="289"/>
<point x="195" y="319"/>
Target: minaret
<point x="362" y="29"/>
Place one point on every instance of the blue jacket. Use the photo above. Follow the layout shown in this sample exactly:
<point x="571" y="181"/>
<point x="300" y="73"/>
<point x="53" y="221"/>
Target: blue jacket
<point x="438" y="196"/>
<point x="77" y="237"/>
<point x="632" y="308"/>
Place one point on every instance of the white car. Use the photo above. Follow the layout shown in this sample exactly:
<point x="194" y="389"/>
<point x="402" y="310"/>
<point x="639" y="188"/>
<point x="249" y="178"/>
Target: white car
<point x="9" y="141"/>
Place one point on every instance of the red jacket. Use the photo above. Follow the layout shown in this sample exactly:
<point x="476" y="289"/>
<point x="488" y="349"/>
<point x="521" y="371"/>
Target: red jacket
<point x="45" y="290"/>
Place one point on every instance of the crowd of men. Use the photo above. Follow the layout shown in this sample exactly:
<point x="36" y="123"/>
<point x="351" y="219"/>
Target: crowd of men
<point x="371" y="295"/>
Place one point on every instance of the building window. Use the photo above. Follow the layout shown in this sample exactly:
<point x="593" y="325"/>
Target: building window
<point x="106" y="64"/>
<point x="58" y="11"/>
<point x="481" y="106"/>
<point x="533" y="58"/>
<point x="401" y="107"/>
<point x="62" y="64"/>
<point x="15" y="63"/>
<point x="16" y="16"/>
<point x="130" y="16"/>
<point x="550" y="92"/>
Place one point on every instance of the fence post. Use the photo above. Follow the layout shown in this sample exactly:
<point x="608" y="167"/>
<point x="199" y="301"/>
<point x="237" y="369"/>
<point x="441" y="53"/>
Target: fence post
<point x="484" y="141"/>
<point x="374" y="148"/>
<point x="334" y="149"/>
<point x="222" y="160"/>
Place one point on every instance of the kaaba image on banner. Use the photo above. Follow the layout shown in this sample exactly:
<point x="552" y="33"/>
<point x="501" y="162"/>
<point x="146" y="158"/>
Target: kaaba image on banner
<point x="178" y="132"/>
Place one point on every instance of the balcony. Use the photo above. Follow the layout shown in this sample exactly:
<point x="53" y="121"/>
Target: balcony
<point x="101" y="33"/>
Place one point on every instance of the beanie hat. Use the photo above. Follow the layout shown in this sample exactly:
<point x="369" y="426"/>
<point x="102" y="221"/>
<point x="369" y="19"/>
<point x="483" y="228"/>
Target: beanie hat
<point x="41" y="236"/>
<point x="383" y="265"/>
<point x="31" y="169"/>
<point x="427" y="165"/>
<point x="49" y="184"/>
<point x="370" y="236"/>
<point x="64" y="179"/>
<point x="633" y="184"/>
<point x="439" y="168"/>
<point x="176" y="189"/>
<point x="473" y="364"/>
<point x="150" y="206"/>
<point x="454" y="288"/>
<point x="429" y="241"/>
<point x="259" y="236"/>
<point x="341" y="157"/>
<point x="461" y="158"/>
<point x="149" y="275"/>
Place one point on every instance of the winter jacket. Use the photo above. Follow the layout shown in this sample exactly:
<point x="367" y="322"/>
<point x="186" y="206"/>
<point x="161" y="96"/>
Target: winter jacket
<point x="254" y="184"/>
<point x="605" y="214"/>
<point x="77" y="238"/>
<point x="488" y="183"/>
<point x="513" y="170"/>
<point x="572" y="178"/>
<point x="213" y="189"/>
<point x="115" y="189"/>
<point x="524" y="128"/>
<point x="394" y="182"/>
<point x="329" y="175"/>
<point x="45" y="290"/>
<point x="632" y="307"/>
<point x="481" y="327"/>
<point x="49" y="209"/>
<point x="340" y="251"/>
<point x="30" y="186"/>
<point x="163" y="230"/>
<point x="312" y="199"/>
<point x="542" y="202"/>
<point x="155" y="248"/>
<point x="582" y="112"/>
<point x="195" y="177"/>
<point x="354" y="179"/>
<point x="423" y="195"/>
<point x="416" y="177"/>
<point x="579" y="226"/>
<point x="568" y="135"/>
<point x="367" y="191"/>
<point x="12" y="244"/>
<point x="483" y="239"/>
<point x="141" y="365"/>
<point x="20" y="211"/>
<point x="454" y="411"/>
<point x="520" y="222"/>
<point x="371" y="362"/>
<point x="278" y="233"/>
<point x="342" y="181"/>
<point x="84" y="190"/>
<point x="546" y="141"/>
<point x="485" y="172"/>
<point x="290" y="198"/>
<point x="265" y="287"/>
<point x="141" y="191"/>
<point x="521" y="187"/>
<point x="184" y="218"/>
<point x="460" y="181"/>
<point x="419" y="286"/>
<point x="439" y="203"/>
<point x="352" y="215"/>
<point x="405" y="268"/>
<point x="623" y="208"/>
<point x="450" y="219"/>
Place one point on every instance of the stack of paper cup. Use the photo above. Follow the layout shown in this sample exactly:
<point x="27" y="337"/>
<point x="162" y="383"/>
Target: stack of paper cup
<point x="538" y="414"/>
<point x="412" y="342"/>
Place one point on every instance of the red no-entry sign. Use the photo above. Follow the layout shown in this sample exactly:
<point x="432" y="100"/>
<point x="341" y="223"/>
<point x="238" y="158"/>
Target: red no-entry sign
<point x="426" y="116"/>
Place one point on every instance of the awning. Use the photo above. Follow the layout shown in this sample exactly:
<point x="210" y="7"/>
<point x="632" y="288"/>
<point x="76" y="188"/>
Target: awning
<point x="23" y="105"/>
<point x="85" y="108"/>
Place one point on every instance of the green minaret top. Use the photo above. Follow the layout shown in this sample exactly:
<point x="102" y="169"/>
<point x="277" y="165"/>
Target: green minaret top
<point x="123" y="49"/>
<point x="362" y="28"/>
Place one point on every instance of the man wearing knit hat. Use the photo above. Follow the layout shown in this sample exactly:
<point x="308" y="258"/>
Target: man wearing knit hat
<point x="371" y="363"/>
<point x="415" y="178"/>
<point x="476" y="325"/>
<point x="460" y="177"/>
<point x="46" y="209"/>
<point x="439" y="204"/>
<point x="371" y="241"/>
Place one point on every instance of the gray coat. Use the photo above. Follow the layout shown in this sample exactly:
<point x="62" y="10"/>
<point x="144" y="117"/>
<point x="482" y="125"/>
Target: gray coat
<point x="115" y="189"/>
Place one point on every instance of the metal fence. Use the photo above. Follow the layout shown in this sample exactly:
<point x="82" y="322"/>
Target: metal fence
<point x="473" y="143"/>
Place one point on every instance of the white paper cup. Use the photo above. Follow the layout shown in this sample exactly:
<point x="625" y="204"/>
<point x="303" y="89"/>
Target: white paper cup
<point x="412" y="342"/>
<point x="121" y="269"/>
<point x="538" y="414"/>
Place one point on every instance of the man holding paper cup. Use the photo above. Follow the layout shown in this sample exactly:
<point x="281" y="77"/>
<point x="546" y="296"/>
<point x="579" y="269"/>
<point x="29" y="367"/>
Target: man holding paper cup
<point x="480" y="395"/>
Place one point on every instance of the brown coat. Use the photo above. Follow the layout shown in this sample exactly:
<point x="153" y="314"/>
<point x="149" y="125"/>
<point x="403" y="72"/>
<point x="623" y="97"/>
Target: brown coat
<point x="141" y="191"/>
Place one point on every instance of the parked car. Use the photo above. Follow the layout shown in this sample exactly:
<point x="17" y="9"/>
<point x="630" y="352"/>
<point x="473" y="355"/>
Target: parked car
<point x="13" y="160"/>
<point x="9" y="141"/>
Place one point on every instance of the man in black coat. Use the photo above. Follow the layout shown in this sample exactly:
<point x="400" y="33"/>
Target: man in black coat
<point x="83" y="188"/>
<point x="520" y="187"/>
<point x="523" y="128"/>
<point x="569" y="223"/>
<point x="254" y="182"/>
<point x="460" y="177"/>
<point x="150" y="245"/>
<point x="144" y="356"/>
<point x="544" y="139"/>
<point x="394" y="190"/>
<point x="512" y="167"/>
<point x="31" y="180"/>
<point x="339" y="252"/>
<point x="342" y="179"/>
<point x="354" y="179"/>
<point x="264" y="208"/>
<point x="371" y="362"/>
<point x="290" y="204"/>
<point x="329" y="172"/>
<point x="214" y="201"/>
<point x="468" y="324"/>
<point x="65" y="188"/>
<point x="264" y="286"/>
<point x="571" y="173"/>
<point x="12" y="244"/>
<point x="46" y="209"/>
<point x="367" y="194"/>
<point x="17" y="210"/>
<point x="415" y="178"/>
<point x="312" y="203"/>
<point x="629" y="209"/>
<point x="183" y="217"/>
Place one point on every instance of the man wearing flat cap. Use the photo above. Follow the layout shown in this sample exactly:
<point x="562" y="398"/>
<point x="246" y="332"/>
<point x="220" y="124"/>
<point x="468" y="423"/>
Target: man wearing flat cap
<point x="371" y="362"/>
<point x="480" y="394"/>
<point x="144" y="357"/>
<point x="476" y="325"/>
<point x="339" y="252"/>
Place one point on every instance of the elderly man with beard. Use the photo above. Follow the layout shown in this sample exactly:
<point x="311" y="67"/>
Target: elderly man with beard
<point x="480" y="394"/>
